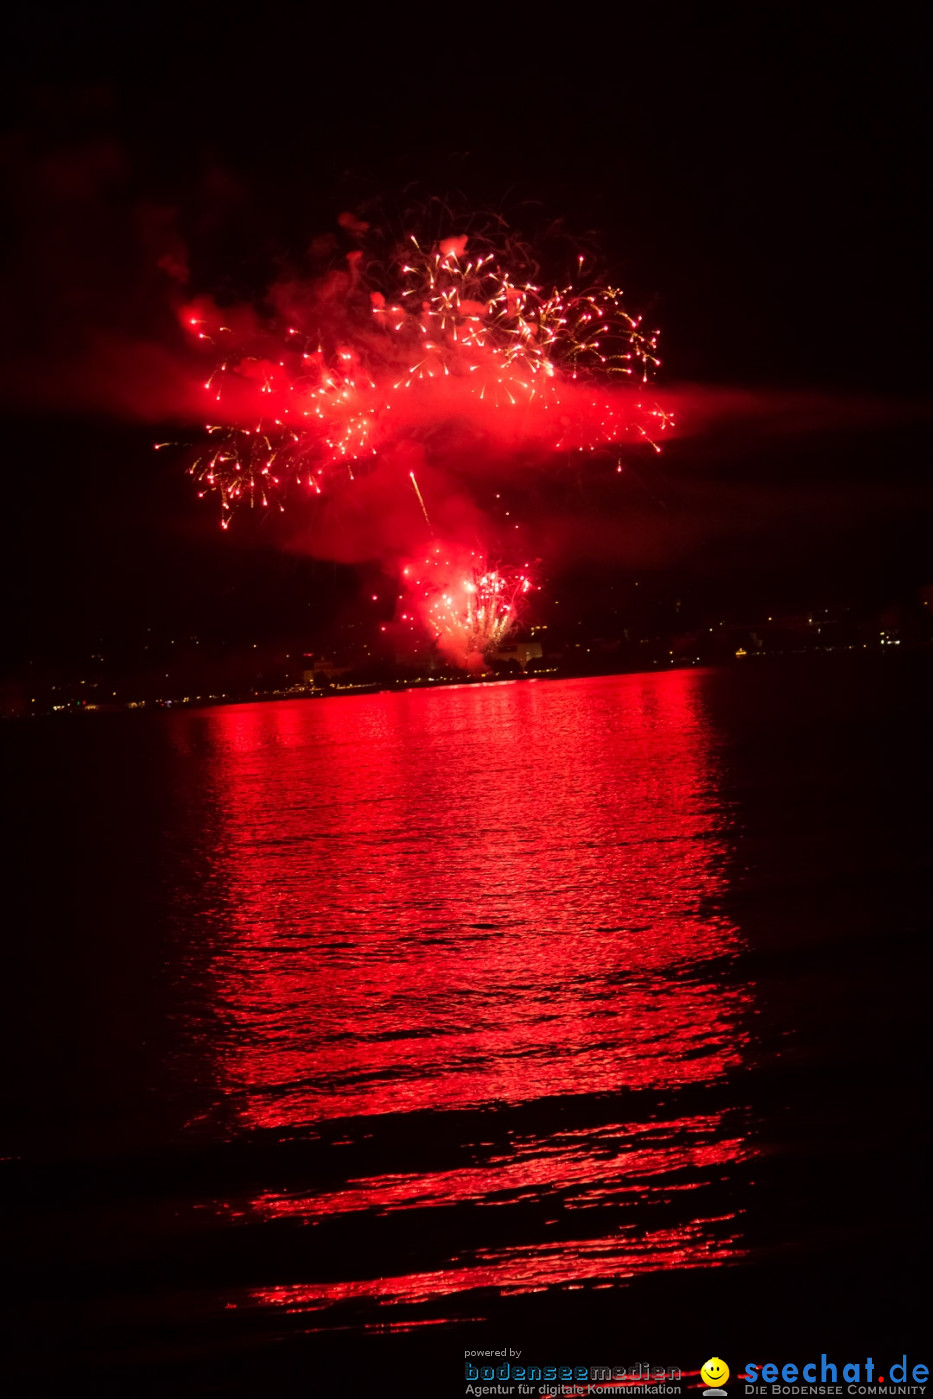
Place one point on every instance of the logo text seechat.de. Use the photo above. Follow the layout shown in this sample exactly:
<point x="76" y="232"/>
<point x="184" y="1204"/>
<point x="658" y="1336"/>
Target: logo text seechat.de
<point x="859" y="1377"/>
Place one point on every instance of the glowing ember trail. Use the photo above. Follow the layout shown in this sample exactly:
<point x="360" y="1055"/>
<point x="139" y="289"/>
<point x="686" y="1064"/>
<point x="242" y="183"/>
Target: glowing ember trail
<point x="453" y="349"/>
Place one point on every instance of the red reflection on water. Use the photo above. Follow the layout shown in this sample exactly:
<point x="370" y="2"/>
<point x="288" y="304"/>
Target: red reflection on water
<point x="529" y="1268"/>
<point x="456" y="899"/>
<point x="590" y="1167"/>
<point x="447" y="900"/>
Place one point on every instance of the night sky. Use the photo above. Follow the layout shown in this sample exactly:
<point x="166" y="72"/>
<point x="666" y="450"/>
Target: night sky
<point x="754" y="180"/>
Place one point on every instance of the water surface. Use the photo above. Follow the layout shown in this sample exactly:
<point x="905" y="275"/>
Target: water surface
<point x="354" y="1015"/>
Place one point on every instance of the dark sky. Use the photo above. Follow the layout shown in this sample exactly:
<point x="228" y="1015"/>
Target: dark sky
<point x="756" y="179"/>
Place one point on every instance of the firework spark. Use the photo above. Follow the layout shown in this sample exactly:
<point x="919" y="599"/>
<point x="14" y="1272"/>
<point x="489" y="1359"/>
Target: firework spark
<point x="424" y="508"/>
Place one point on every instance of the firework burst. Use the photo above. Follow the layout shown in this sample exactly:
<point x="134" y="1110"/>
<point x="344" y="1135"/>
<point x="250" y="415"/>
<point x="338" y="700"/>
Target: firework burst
<point x="468" y="604"/>
<point x="380" y="352"/>
<point x="454" y="353"/>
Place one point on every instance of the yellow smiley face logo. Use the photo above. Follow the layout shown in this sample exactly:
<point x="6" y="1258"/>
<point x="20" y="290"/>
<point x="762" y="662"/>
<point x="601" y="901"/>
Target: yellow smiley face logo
<point x="714" y="1373"/>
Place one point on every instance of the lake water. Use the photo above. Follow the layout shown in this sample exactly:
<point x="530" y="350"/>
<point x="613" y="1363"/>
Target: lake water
<point x="587" y="1012"/>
